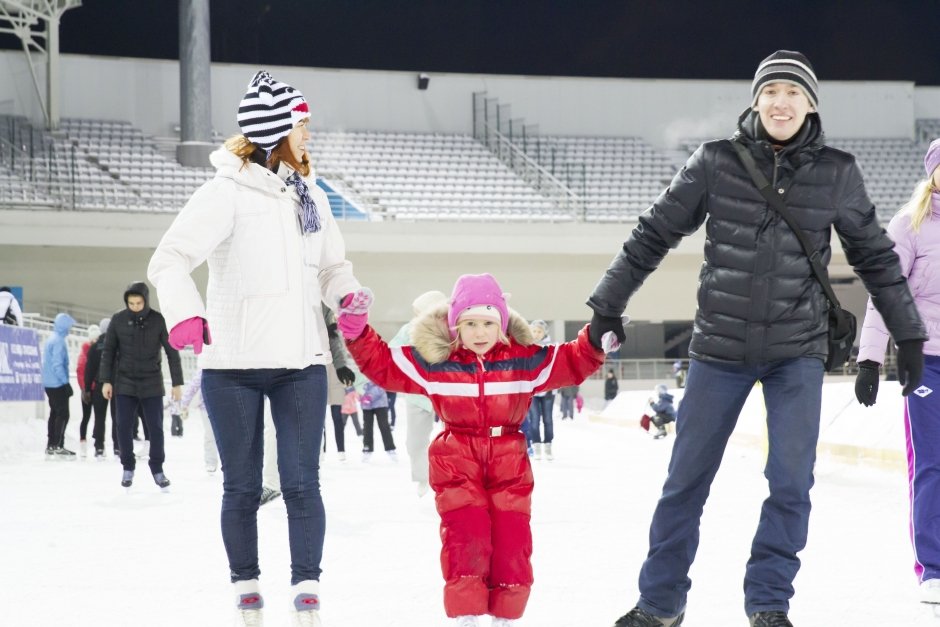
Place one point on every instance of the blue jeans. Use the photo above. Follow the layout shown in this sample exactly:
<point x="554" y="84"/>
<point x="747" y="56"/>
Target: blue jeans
<point x="542" y="414"/>
<point x="714" y="395"/>
<point x="235" y="405"/>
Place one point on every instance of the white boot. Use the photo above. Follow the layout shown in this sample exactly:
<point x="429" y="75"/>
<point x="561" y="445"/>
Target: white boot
<point x="503" y="622"/>
<point x="548" y="452"/>
<point x="467" y="621"/>
<point x="538" y="449"/>
<point x="306" y="600"/>
<point x="930" y="591"/>
<point x="248" y="604"/>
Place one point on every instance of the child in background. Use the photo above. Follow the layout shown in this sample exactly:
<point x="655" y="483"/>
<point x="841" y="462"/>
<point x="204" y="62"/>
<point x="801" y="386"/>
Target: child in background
<point x="477" y="363"/>
<point x="350" y="408"/>
<point x="374" y="403"/>
<point x="665" y="411"/>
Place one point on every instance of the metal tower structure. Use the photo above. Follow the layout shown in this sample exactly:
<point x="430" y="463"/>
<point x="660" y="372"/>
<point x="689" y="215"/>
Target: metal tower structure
<point x="36" y="24"/>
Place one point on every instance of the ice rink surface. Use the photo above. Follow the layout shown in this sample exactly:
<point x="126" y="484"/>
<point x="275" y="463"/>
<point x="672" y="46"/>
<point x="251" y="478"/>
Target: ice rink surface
<point x="79" y="550"/>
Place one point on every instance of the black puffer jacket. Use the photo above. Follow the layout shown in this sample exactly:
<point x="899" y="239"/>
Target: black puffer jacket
<point x="130" y="361"/>
<point x="757" y="299"/>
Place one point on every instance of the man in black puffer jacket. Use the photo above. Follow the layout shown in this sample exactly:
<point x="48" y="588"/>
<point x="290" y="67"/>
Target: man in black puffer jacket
<point x="762" y="316"/>
<point x="130" y="370"/>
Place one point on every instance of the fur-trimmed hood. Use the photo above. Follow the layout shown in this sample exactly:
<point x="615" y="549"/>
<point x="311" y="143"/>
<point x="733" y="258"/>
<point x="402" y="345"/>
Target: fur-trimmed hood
<point x="431" y="337"/>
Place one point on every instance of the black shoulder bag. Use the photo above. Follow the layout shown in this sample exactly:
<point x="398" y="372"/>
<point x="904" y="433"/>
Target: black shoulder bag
<point x="842" y="324"/>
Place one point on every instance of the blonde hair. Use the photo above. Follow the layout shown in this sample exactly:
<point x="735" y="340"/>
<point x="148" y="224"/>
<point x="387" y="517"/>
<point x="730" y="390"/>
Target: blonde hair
<point x="919" y="206"/>
<point x="500" y="336"/>
<point x="249" y="152"/>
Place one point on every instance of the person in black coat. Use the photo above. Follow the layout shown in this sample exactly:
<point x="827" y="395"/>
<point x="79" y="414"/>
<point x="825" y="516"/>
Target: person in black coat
<point x="131" y="372"/>
<point x="762" y="316"/>
<point x="611" y="387"/>
<point x="99" y="403"/>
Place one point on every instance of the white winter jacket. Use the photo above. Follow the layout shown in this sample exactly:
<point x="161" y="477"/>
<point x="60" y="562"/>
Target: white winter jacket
<point x="266" y="277"/>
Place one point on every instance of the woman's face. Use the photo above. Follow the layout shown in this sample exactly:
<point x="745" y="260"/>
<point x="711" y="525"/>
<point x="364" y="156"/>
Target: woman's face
<point x="936" y="178"/>
<point x="297" y="140"/>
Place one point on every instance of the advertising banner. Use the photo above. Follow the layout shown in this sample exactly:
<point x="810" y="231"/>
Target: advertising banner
<point x="20" y="365"/>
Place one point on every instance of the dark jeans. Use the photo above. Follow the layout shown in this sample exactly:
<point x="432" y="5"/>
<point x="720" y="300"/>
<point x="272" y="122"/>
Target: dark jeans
<point x="100" y="405"/>
<point x="714" y="395"/>
<point x="235" y="405"/>
<point x="355" y="421"/>
<point x="86" y="416"/>
<point x="58" y="415"/>
<point x="567" y="407"/>
<point x="542" y="406"/>
<point x="380" y="415"/>
<point x="391" y="408"/>
<point x="152" y="408"/>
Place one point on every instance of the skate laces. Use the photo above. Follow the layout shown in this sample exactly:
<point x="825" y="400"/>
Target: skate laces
<point x="775" y="618"/>
<point x="250" y="618"/>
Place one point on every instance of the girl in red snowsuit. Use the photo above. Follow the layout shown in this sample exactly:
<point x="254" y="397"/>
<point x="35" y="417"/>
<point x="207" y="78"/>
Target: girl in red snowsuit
<point x="476" y="362"/>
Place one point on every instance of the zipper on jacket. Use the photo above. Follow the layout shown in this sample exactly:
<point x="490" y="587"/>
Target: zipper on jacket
<point x="482" y="378"/>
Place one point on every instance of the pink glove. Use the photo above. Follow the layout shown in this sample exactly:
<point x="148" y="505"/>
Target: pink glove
<point x="193" y="331"/>
<point x="357" y="302"/>
<point x="352" y="325"/>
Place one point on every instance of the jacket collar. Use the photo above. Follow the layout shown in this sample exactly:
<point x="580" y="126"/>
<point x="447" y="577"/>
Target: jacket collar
<point x="227" y="165"/>
<point x="431" y="337"/>
<point x="808" y="142"/>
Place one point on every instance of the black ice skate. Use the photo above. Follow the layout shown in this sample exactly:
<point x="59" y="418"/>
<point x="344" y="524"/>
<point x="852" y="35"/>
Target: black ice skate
<point x="161" y="480"/>
<point x="127" y="478"/>
<point x="775" y="618"/>
<point x="641" y="618"/>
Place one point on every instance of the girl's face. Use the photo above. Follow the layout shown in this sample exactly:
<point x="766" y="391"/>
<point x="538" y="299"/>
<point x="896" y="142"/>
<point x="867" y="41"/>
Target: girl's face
<point x="478" y="335"/>
<point x="297" y="140"/>
<point x="537" y="333"/>
<point x="936" y="178"/>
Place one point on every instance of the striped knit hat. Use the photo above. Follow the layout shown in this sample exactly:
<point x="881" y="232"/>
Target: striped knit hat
<point x="786" y="66"/>
<point x="269" y="110"/>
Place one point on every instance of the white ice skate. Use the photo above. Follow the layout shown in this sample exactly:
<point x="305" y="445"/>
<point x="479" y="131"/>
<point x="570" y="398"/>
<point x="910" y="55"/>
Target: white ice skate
<point x="83" y="448"/>
<point x="249" y="603"/>
<point x="503" y="622"/>
<point x="538" y="449"/>
<point x="467" y="621"/>
<point x="306" y="607"/>
<point x="547" y="448"/>
<point x="930" y="591"/>
<point x="422" y="488"/>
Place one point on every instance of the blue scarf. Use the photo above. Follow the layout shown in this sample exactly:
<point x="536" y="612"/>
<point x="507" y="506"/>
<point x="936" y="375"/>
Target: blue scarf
<point x="309" y="216"/>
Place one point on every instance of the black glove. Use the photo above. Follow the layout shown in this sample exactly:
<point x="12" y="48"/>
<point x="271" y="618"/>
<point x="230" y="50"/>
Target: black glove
<point x="345" y="375"/>
<point x="601" y="325"/>
<point x="866" y="382"/>
<point x="86" y="397"/>
<point x="910" y="365"/>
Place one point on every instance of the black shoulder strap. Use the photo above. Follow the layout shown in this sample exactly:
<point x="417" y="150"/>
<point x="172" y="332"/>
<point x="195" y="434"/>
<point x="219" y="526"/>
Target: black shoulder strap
<point x="777" y="203"/>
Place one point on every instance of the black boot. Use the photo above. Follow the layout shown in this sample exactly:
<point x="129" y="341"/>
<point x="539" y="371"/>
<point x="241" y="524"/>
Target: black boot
<point x="641" y="618"/>
<point x="774" y="618"/>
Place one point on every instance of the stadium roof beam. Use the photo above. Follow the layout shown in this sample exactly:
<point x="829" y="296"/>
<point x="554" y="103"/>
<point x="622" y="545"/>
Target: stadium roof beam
<point x="22" y="18"/>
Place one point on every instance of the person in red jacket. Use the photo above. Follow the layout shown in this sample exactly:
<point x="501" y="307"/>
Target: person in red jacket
<point x="476" y="361"/>
<point x="93" y="332"/>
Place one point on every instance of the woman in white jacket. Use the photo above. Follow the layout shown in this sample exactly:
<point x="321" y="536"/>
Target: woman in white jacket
<point x="274" y="252"/>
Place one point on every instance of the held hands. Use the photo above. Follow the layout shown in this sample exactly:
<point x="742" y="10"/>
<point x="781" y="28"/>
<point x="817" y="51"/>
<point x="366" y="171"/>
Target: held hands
<point x="193" y="331"/>
<point x="346" y="376"/>
<point x="606" y="332"/>
<point x="352" y="315"/>
<point x="106" y="391"/>
<point x="177" y="393"/>
<point x="910" y="365"/>
<point x="86" y="397"/>
<point x="866" y="382"/>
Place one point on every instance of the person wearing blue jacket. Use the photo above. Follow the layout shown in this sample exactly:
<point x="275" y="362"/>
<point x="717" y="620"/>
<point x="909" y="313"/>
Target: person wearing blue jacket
<point x="55" y="379"/>
<point x="664" y="410"/>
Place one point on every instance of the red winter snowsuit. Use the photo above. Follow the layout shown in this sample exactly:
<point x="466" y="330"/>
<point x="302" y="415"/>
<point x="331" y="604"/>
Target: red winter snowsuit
<point x="479" y="468"/>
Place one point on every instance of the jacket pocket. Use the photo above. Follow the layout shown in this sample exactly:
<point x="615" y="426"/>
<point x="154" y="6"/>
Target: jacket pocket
<point x="258" y="244"/>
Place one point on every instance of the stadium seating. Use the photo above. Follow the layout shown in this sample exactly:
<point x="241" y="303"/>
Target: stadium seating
<point x="410" y="176"/>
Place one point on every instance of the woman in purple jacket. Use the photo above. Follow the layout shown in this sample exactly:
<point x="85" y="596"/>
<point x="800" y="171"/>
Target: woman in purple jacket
<point x="916" y="234"/>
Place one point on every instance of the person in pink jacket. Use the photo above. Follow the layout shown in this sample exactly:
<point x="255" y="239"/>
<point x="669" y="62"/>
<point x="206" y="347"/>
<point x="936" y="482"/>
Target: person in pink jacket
<point x="916" y="234"/>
